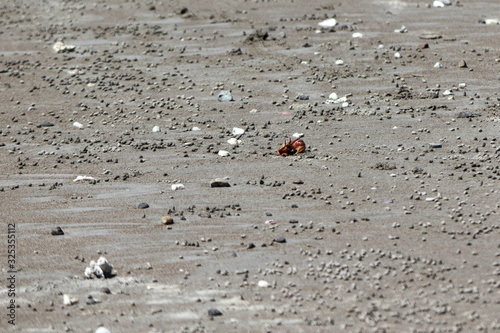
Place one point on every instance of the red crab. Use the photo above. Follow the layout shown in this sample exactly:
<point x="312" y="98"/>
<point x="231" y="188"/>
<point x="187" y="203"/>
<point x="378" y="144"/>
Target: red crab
<point x="292" y="147"/>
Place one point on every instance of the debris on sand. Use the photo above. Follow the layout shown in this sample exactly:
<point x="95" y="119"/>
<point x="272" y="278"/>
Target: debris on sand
<point x="100" y="269"/>
<point x="60" y="47"/>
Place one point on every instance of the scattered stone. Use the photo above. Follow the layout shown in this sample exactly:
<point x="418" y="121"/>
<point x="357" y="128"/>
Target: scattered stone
<point x="219" y="182"/>
<point x="143" y="205"/>
<point x="102" y="329"/>
<point x="438" y="65"/>
<point x="303" y="97"/>
<point x="78" y="125"/>
<point x="223" y="153"/>
<point x="234" y="141"/>
<point x="176" y="187"/>
<point x="195" y="129"/>
<point x="465" y="114"/>
<point x="251" y="246"/>
<point x="90" y="179"/>
<point x="156" y="129"/>
<point x="423" y="46"/>
<point x="491" y="21"/>
<point x="105" y="290"/>
<point x="339" y="62"/>
<point x="462" y="64"/>
<point x="214" y="312"/>
<point x="238" y="131"/>
<point x="225" y="96"/>
<point x="100" y="269"/>
<point x="47" y="124"/>
<point x="435" y="145"/>
<point x="430" y="36"/>
<point x="357" y="35"/>
<point x="67" y="300"/>
<point x="60" y="47"/>
<point x="328" y="23"/>
<point x="167" y="220"/>
<point x="263" y="284"/>
<point x="57" y="232"/>
<point x="280" y="239"/>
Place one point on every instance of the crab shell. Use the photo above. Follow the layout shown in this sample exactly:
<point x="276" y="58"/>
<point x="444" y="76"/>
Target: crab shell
<point x="292" y="147"/>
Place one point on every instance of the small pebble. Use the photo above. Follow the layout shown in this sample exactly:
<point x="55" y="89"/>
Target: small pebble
<point x="280" y="239"/>
<point x="214" y="312"/>
<point x="219" y="182"/>
<point x="143" y="205"/>
<point x="57" y="231"/>
<point x="167" y="220"/>
<point x="225" y="96"/>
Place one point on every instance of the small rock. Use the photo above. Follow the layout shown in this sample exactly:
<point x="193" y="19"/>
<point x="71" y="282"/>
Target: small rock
<point x="438" y="65"/>
<point x="238" y="131"/>
<point x="223" y="153"/>
<point x="280" y="239"/>
<point x="67" y="300"/>
<point x="60" y="47"/>
<point x="462" y="64"/>
<point x="263" y="284"/>
<point x="233" y="141"/>
<point x="78" y="125"/>
<point x="195" y="129"/>
<point x="329" y="23"/>
<point x="214" y="312"/>
<point x="47" y="124"/>
<point x="491" y="21"/>
<point x="105" y="290"/>
<point x="156" y="129"/>
<point x="338" y="62"/>
<point x="225" y="96"/>
<point x="102" y="329"/>
<point x="167" y="220"/>
<point x="251" y="246"/>
<point x="176" y="187"/>
<point x="303" y="97"/>
<point x="57" y="232"/>
<point x="105" y="267"/>
<point x="357" y="35"/>
<point x="465" y="114"/>
<point x="423" y="46"/>
<point x="143" y="205"/>
<point x="219" y="182"/>
<point x="435" y="145"/>
<point x="333" y="96"/>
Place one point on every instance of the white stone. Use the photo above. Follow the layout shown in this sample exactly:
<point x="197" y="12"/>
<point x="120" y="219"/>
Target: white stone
<point x="397" y="55"/>
<point x="234" y="141"/>
<point x="329" y="23"/>
<point x="298" y="135"/>
<point x="60" y="47"/>
<point x="333" y="96"/>
<point x="238" y="131"/>
<point x="102" y="329"/>
<point x="491" y="21"/>
<point x="438" y="4"/>
<point x="357" y="35"/>
<point x="194" y="129"/>
<point x="345" y="104"/>
<point x="438" y="65"/>
<point x="78" y="125"/>
<point x="67" y="300"/>
<point x="176" y="187"/>
<point x="339" y="62"/>
<point x="105" y="266"/>
<point x="83" y="178"/>
<point x="223" y="153"/>
<point x="225" y="96"/>
<point x="263" y="284"/>
<point x="462" y="85"/>
<point x="156" y="129"/>
<point x="447" y="93"/>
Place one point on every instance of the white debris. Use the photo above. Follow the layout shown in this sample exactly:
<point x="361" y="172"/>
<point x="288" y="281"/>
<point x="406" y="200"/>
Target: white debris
<point x="238" y="131"/>
<point x="102" y="329"/>
<point x="441" y="4"/>
<point x="438" y="65"/>
<point x="329" y="23"/>
<point x="85" y="178"/>
<point x="339" y="62"/>
<point x="100" y="269"/>
<point x="225" y="96"/>
<point x="298" y="135"/>
<point x="447" y="93"/>
<point x="60" y="47"/>
<point x="357" y="35"/>
<point x="176" y="187"/>
<point x="345" y="104"/>
<point x="402" y="30"/>
<point x="491" y="21"/>
<point x="234" y="141"/>
<point x="194" y="129"/>
<point x="223" y="153"/>
<point x="333" y="96"/>
<point x="156" y="129"/>
<point x="462" y="85"/>
<point x="397" y="55"/>
<point x="67" y="300"/>
<point x="263" y="284"/>
<point x="78" y="125"/>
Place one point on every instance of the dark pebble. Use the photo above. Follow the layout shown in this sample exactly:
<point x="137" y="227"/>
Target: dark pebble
<point x="269" y="214"/>
<point x="234" y="254"/>
<point x="105" y="290"/>
<point x="280" y="239"/>
<point x="481" y="21"/>
<point x="465" y="114"/>
<point x="143" y="205"/>
<point x="214" y="312"/>
<point x="47" y="124"/>
<point x="294" y="221"/>
<point x="57" y="232"/>
<point x="303" y="97"/>
<point x="298" y="182"/>
<point x="295" y="206"/>
<point x="251" y="246"/>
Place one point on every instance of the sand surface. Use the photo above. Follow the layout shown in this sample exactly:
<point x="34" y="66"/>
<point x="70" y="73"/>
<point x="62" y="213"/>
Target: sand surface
<point x="387" y="222"/>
